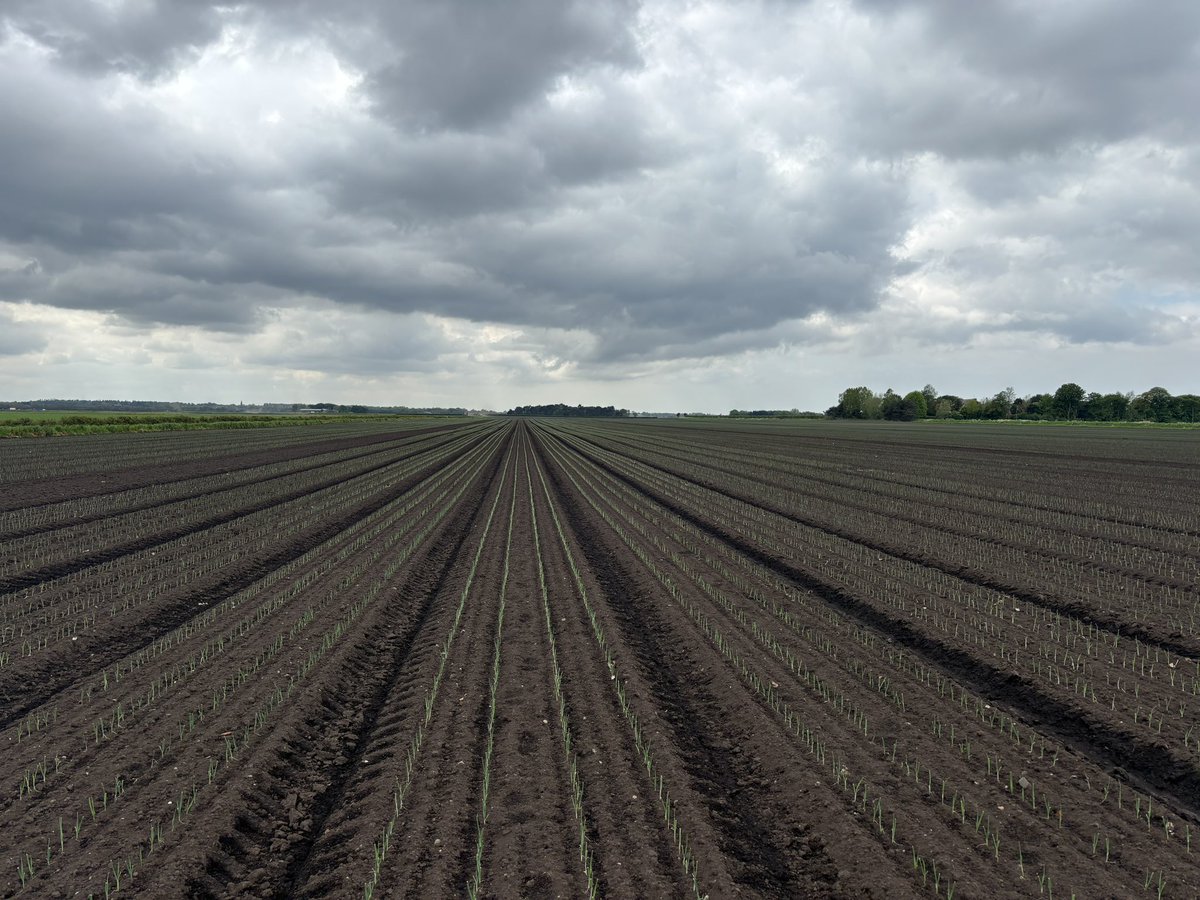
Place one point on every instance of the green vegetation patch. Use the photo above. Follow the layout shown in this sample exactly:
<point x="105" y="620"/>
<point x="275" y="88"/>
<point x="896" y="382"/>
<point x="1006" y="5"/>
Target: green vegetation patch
<point x="27" y="423"/>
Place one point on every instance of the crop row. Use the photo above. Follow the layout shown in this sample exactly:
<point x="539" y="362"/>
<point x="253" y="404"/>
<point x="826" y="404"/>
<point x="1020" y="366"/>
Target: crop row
<point x="102" y="454"/>
<point x="77" y="510"/>
<point x="258" y="489"/>
<point x="1108" y="581"/>
<point x="117" y="696"/>
<point x="139" y="584"/>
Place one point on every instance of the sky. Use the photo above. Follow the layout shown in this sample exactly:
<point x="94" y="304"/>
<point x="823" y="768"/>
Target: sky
<point x="670" y="206"/>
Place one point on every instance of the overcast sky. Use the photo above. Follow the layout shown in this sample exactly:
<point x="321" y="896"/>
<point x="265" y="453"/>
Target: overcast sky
<point x="659" y="205"/>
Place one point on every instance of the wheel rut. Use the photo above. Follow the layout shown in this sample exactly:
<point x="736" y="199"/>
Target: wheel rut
<point x="389" y="658"/>
<point x="283" y="858"/>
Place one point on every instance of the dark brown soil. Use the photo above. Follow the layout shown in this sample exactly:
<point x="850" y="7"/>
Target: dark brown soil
<point x="274" y="678"/>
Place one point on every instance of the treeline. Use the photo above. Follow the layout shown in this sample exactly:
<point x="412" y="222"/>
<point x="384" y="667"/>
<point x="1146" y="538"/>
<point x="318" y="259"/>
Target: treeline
<point x="1069" y="403"/>
<point x="170" y="406"/>
<point x="561" y="409"/>
<point x="772" y="414"/>
<point x="50" y="425"/>
<point x="131" y="406"/>
<point x="358" y="408"/>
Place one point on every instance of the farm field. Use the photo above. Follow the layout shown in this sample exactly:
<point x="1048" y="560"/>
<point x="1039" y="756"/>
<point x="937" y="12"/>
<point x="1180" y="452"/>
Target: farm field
<point x="572" y="658"/>
<point x="56" y="423"/>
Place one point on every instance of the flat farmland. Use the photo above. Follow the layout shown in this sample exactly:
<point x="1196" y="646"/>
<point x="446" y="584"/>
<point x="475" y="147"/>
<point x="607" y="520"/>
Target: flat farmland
<point x="591" y="658"/>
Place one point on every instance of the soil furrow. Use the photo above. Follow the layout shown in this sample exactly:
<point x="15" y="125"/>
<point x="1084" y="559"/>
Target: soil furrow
<point x="322" y="762"/>
<point x="762" y="854"/>
<point x="633" y="856"/>
<point x="62" y="569"/>
<point x="1084" y="614"/>
<point x="203" y="491"/>
<point x="24" y="494"/>
<point x="1146" y="765"/>
<point x="166" y="617"/>
<point x="530" y="842"/>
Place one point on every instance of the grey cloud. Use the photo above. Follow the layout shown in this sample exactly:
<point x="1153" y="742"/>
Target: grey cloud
<point x="142" y="39"/>
<point x="439" y="176"/>
<point x="137" y="293"/>
<point x="1089" y="223"/>
<point x="534" y="164"/>
<point x="464" y="65"/>
<point x="432" y="177"/>
<point x="1100" y="321"/>
<point x="602" y="136"/>
<point x="722" y="249"/>
<point x="381" y="346"/>
<point x="86" y="180"/>
<point x="18" y="338"/>
<point x="1002" y="79"/>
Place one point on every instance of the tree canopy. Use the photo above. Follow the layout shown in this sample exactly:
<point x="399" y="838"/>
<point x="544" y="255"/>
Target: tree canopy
<point x="1068" y="403"/>
<point x="561" y="409"/>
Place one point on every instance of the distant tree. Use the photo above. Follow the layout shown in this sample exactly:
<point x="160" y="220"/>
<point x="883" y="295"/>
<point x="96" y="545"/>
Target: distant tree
<point x="919" y="402"/>
<point x="873" y="406"/>
<point x="891" y="405"/>
<point x="857" y="403"/>
<point x="1000" y="406"/>
<point x="1113" y="407"/>
<point x="561" y="409"/>
<point x="972" y="409"/>
<point x="1087" y="408"/>
<point x="1187" y="408"/>
<point x="1098" y="407"/>
<point x="900" y="409"/>
<point x="1067" y="400"/>
<point x="955" y="402"/>
<point x="1154" y="405"/>
<point x="1040" y="406"/>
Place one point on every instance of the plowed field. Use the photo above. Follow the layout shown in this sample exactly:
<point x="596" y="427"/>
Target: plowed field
<point x="517" y="658"/>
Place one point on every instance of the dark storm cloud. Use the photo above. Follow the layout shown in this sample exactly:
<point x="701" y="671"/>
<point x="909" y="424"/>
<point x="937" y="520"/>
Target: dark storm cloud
<point x="83" y="182"/>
